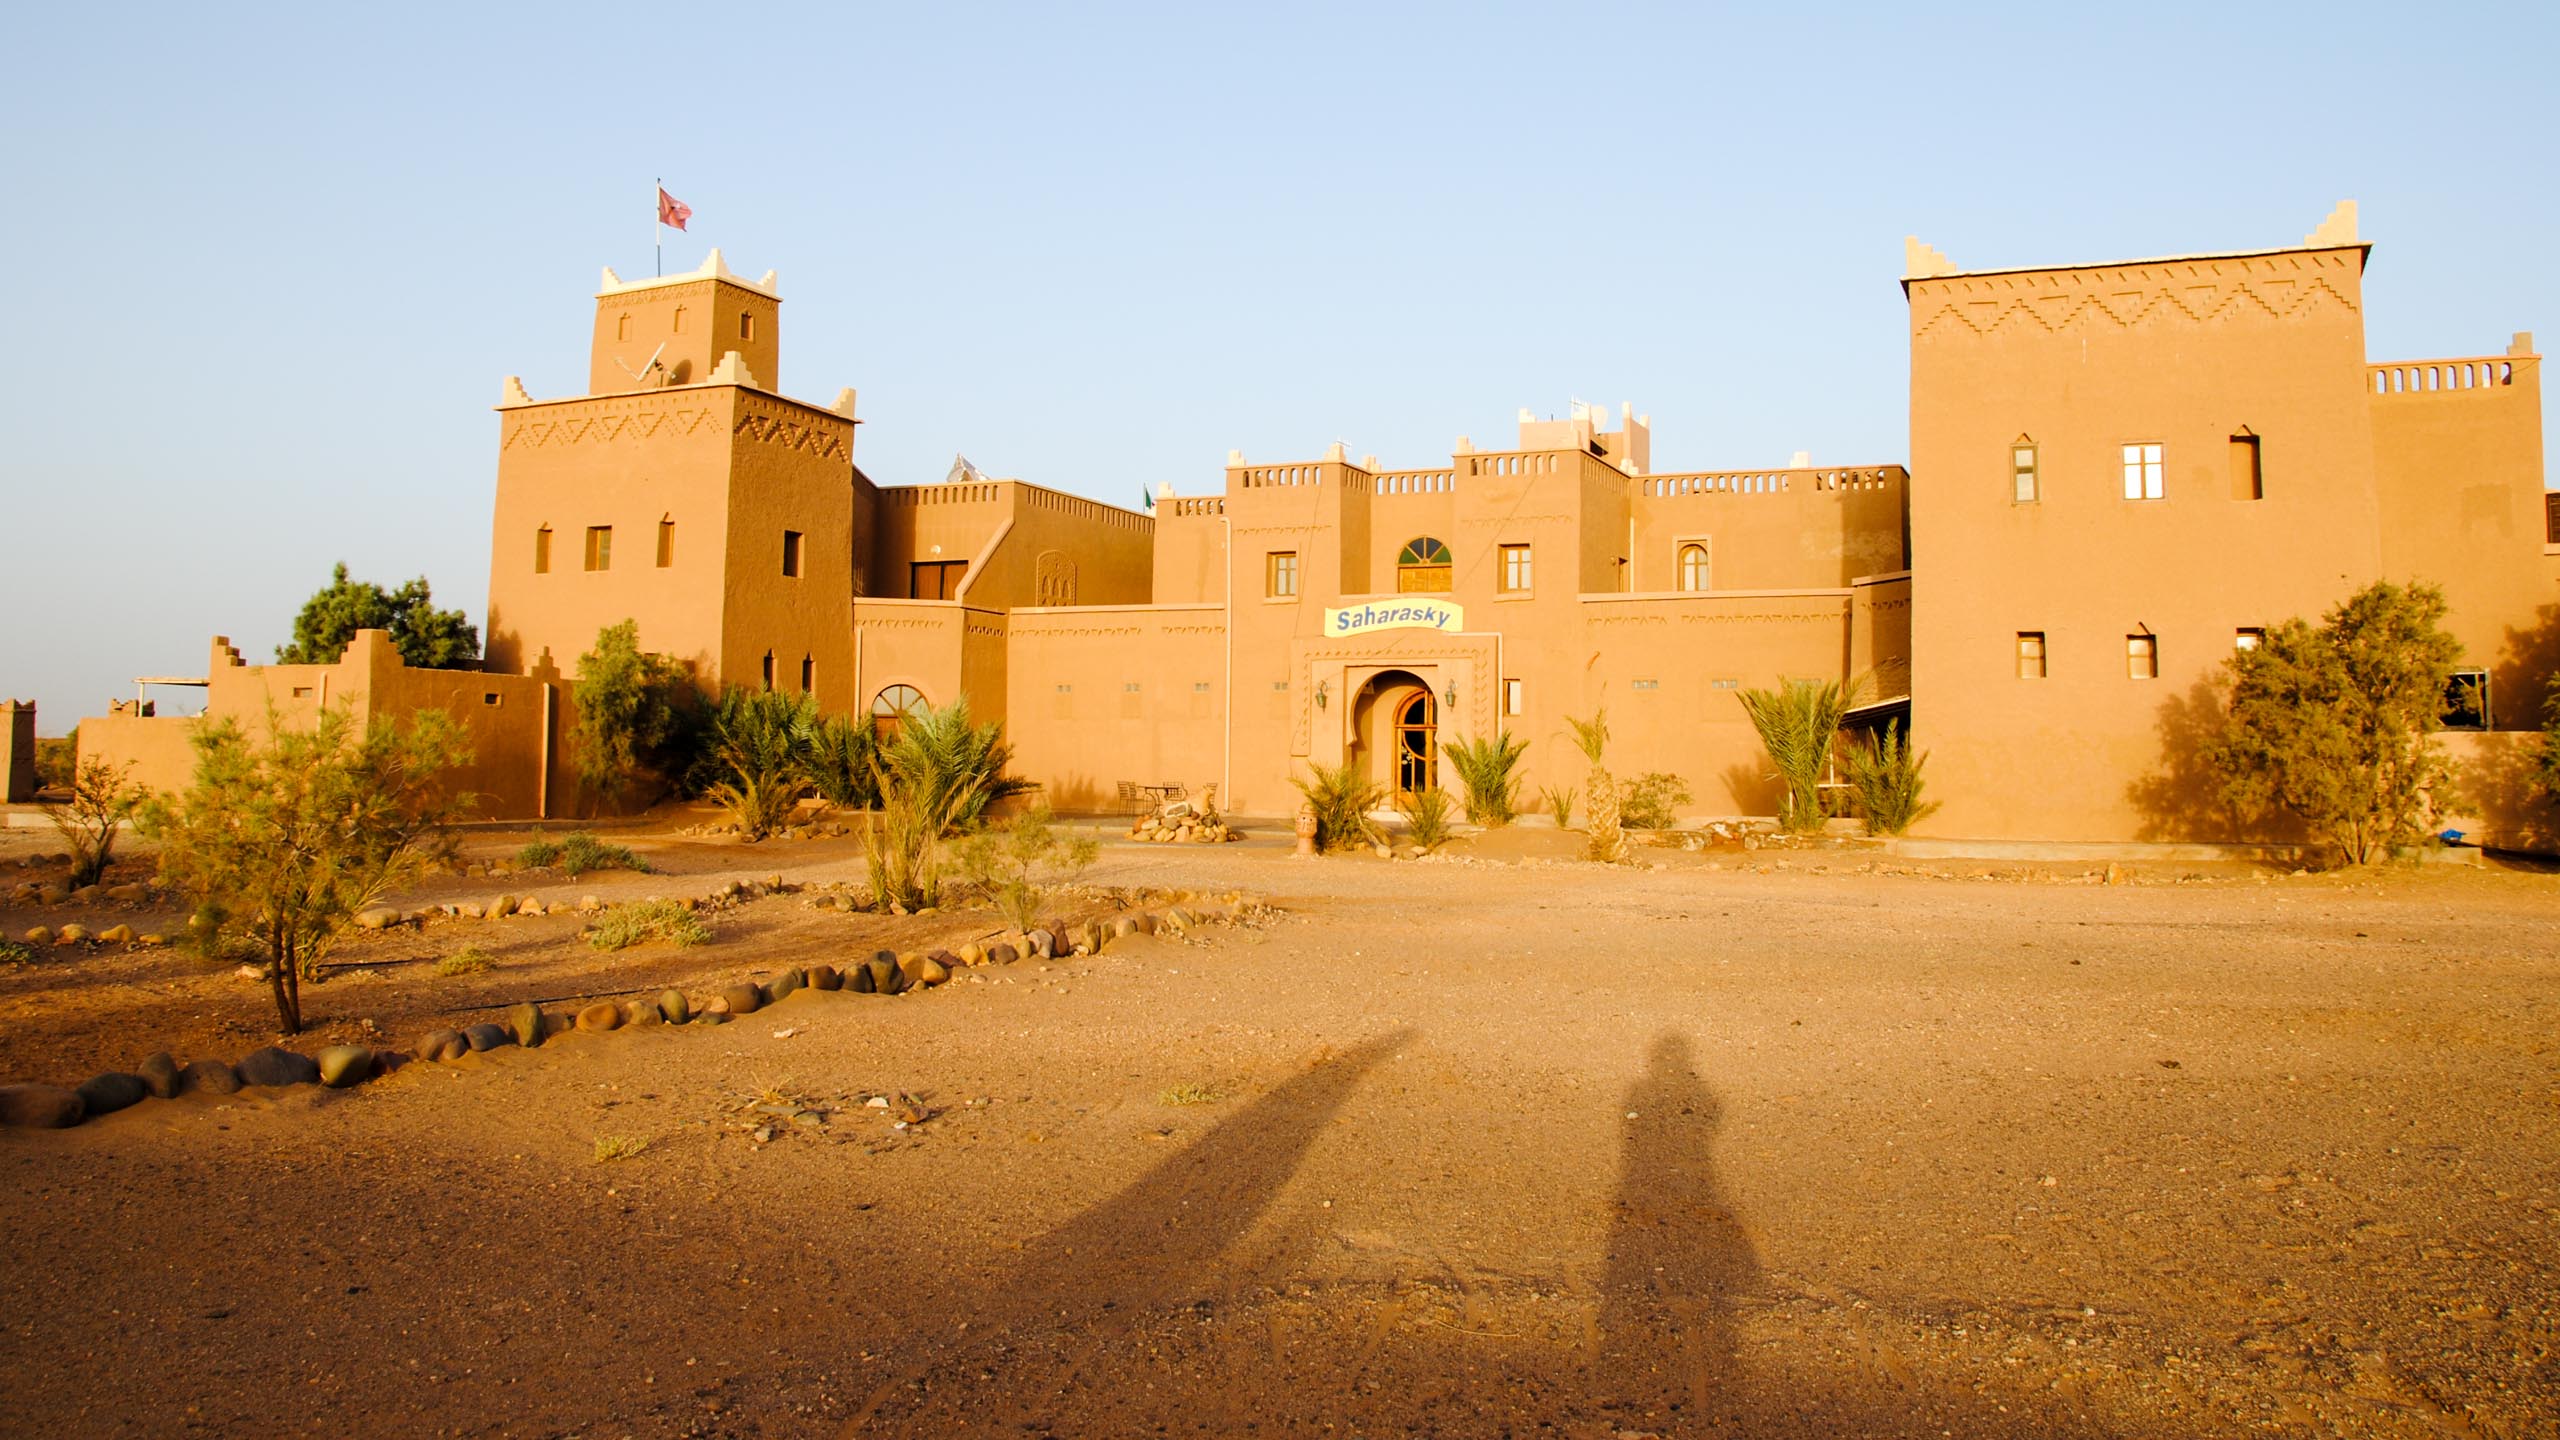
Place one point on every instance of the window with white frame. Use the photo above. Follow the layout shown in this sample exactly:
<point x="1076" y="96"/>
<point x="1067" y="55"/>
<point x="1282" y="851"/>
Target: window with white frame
<point x="2142" y="472"/>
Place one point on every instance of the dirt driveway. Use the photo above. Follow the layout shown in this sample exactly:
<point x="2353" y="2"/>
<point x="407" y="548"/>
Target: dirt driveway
<point x="1447" y="1149"/>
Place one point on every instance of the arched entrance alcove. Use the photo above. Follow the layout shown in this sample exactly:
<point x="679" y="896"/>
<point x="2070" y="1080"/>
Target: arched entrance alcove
<point x="1395" y="732"/>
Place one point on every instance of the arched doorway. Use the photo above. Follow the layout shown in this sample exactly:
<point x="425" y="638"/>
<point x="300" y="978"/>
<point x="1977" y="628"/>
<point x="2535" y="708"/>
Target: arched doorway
<point x="1395" y="733"/>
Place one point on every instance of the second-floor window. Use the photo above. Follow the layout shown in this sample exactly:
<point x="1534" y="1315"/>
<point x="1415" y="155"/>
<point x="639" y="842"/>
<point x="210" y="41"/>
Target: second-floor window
<point x="2030" y="654"/>
<point x="1280" y="574"/>
<point x="935" y="579"/>
<point x="542" y="551"/>
<point x="1515" y="567"/>
<point x="1693" y="566"/>
<point x="599" y="547"/>
<point x="1422" y="566"/>
<point x="2142" y="657"/>
<point x="791" y="552"/>
<point x="2142" y="472"/>
<point x="2022" y="471"/>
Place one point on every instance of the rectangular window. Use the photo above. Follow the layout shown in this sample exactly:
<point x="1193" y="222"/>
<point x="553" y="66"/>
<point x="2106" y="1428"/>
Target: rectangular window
<point x="1199" y="687"/>
<point x="666" y="543"/>
<point x="2551" y="518"/>
<point x="599" y="547"/>
<point x="2030" y="654"/>
<point x="2466" y="701"/>
<point x="1514" y="702"/>
<point x="2142" y="472"/>
<point x="808" y="674"/>
<point x="1515" y="567"/>
<point x="746" y="325"/>
<point x="2248" y="637"/>
<point x="2142" y="657"/>
<point x="2247" y="482"/>
<point x="768" y="669"/>
<point x="935" y="579"/>
<point x="1648" y="685"/>
<point x="791" y="552"/>
<point x="2022" y="473"/>
<point x="1280" y="574"/>
<point x="542" y="551"/>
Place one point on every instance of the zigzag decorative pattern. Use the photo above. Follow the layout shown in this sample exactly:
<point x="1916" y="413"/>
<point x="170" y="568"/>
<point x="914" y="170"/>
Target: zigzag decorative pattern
<point x="2201" y="292"/>
<point x="604" y="429"/>
<point x="790" y="434"/>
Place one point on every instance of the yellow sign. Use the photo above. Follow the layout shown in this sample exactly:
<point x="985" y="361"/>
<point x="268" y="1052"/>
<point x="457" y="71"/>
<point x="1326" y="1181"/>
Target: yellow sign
<point x="1399" y="614"/>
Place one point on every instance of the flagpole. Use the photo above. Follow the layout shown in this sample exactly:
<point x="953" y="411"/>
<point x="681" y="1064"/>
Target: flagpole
<point x="660" y="229"/>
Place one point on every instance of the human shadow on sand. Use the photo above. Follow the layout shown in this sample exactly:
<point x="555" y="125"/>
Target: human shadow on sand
<point x="1107" y="1328"/>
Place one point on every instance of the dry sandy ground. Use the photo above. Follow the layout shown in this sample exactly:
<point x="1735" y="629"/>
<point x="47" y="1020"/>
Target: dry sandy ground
<point x="1502" y="1149"/>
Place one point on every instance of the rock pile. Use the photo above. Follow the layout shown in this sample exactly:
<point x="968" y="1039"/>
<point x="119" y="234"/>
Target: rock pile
<point x="1181" y="823"/>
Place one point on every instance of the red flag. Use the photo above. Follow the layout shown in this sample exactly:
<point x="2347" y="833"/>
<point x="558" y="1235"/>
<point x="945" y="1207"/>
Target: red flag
<point x="672" y="211"/>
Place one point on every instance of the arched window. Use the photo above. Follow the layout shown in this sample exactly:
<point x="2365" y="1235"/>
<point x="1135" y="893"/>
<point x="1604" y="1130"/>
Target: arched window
<point x="892" y="709"/>
<point x="1423" y="566"/>
<point x="1693" y="566"/>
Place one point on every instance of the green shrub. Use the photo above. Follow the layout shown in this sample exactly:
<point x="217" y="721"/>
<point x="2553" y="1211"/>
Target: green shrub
<point x="470" y="960"/>
<point x="1008" y="858"/>
<point x="1342" y="798"/>
<point x="610" y="1148"/>
<point x="1886" y="775"/>
<point x="1191" y="1093"/>
<point x="539" y="853"/>
<point x="576" y="853"/>
<point x="58" y="760"/>
<point x="1485" y="765"/>
<point x="102" y="799"/>
<point x="1650" y="801"/>
<point x="1799" y="722"/>
<point x="840" y="762"/>
<point x="1559" y="802"/>
<point x="955" y="765"/>
<point x="637" y="924"/>
<point x="760" y="752"/>
<point x="13" y="952"/>
<point x="1427" y="811"/>
<point x="638" y="716"/>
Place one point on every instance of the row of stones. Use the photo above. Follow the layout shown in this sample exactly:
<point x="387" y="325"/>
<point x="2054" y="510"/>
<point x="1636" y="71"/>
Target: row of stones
<point x="887" y="972"/>
<point x="56" y="893"/>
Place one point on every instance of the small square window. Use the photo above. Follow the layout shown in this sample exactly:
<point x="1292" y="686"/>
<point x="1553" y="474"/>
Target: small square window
<point x="1516" y="574"/>
<point x="2030" y="654"/>
<point x="301" y="692"/>
<point x="1199" y="687"/>
<point x="489" y="697"/>
<point x="2142" y="657"/>
<point x="1514" y="701"/>
<point x="599" y="547"/>
<point x="1280" y="574"/>
<point x="1066" y="689"/>
<point x="2248" y="637"/>
<point x="2022" y="471"/>
<point x="1281" y="685"/>
<point x="791" y="552"/>
<point x="2142" y="472"/>
<point x="1130" y="688"/>
<point x="1648" y="685"/>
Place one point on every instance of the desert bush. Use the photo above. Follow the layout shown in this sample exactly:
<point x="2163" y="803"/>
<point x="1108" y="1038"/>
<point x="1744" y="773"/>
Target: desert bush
<point x="2331" y="723"/>
<point x="13" y="952"/>
<point x="576" y="853"/>
<point x="1010" y="858"/>
<point x="840" y="756"/>
<point x="637" y="716"/>
<point x="638" y="923"/>
<point x="1799" y="723"/>
<point x="1191" y="1093"/>
<point x="290" y="836"/>
<point x="1886" y="775"/>
<point x="1342" y="798"/>
<point x="1651" y="801"/>
<point x="1559" y="802"/>
<point x="610" y="1148"/>
<point x="425" y="636"/>
<point x="1428" y="812"/>
<point x="2547" y="761"/>
<point x="470" y="960"/>
<point x="1486" y="766"/>
<point x="1605" y="831"/>
<point x="103" y="797"/>
<point x="760" y="756"/>
<point x="539" y="853"/>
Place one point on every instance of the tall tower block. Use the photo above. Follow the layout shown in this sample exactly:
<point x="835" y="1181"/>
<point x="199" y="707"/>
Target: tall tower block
<point x="671" y="330"/>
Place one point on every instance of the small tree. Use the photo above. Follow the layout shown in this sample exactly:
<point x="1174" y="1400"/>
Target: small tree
<point x="919" y="805"/>
<point x="1799" y="722"/>
<point x="632" y="712"/>
<point x="1886" y="775"/>
<point x="1487" y="766"/>
<point x="426" y="637"/>
<point x="102" y="799"/>
<point x="291" y="836"/>
<point x="1427" y="811"/>
<point x="962" y="761"/>
<point x="840" y="760"/>
<point x="2331" y="723"/>
<point x="1607" y="835"/>
<point x="1009" y="858"/>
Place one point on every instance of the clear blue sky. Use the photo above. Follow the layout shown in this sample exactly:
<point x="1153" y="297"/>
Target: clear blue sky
<point x="265" y="270"/>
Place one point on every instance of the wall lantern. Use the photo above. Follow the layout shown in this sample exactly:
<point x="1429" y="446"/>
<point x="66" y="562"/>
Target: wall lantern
<point x="1320" y="695"/>
<point x="1449" y="697"/>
